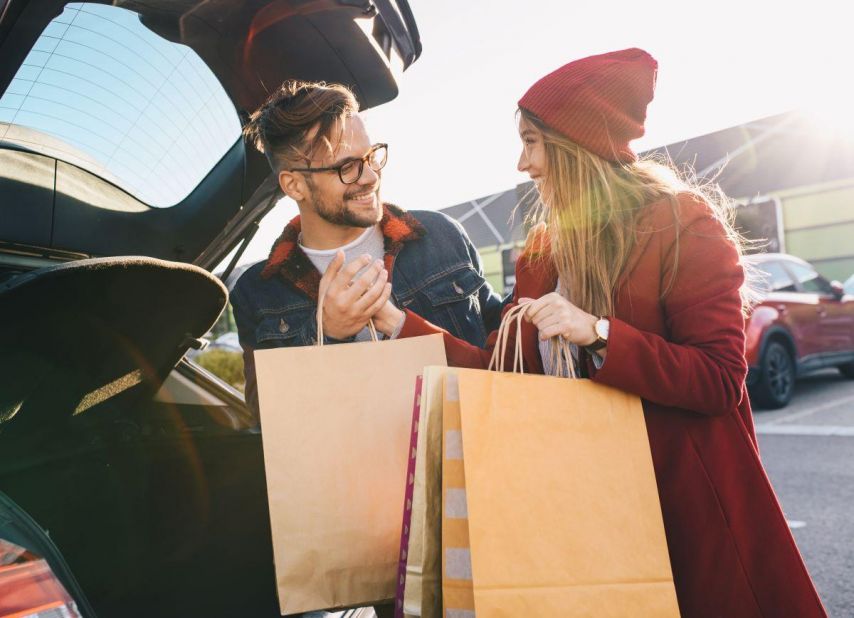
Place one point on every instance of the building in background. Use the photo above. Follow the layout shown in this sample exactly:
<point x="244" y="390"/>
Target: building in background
<point x="791" y="176"/>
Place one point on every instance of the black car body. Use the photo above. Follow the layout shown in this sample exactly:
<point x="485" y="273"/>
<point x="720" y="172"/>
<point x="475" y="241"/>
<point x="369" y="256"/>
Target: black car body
<point x="143" y="470"/>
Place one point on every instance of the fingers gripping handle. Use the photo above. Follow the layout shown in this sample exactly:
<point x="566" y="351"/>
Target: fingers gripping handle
<point x="321" y="297"/>
<point x="561" y="352"/>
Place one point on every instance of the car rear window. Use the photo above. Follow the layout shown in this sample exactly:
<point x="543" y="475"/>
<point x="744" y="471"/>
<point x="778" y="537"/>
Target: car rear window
<point x="101" y="91"/>
<point x="775" y="278"/>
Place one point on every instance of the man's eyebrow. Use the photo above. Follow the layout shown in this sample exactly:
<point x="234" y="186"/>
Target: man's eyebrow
<point x="352" y="158"/>
<point x="344" y="161"/>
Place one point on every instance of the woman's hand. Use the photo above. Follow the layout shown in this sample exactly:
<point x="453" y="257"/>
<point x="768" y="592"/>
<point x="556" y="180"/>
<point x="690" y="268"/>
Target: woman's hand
<point x="553" y="315"/>
<point x="388" y="318"/>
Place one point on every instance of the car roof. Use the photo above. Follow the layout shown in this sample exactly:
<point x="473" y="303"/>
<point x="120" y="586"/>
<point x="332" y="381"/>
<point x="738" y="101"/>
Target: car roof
<point x="759" y="258"/>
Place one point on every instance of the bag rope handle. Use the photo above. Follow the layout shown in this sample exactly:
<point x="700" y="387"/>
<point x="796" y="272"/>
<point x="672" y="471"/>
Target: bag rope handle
<point x="560" y="348"/>
<point x="322" y="294"/>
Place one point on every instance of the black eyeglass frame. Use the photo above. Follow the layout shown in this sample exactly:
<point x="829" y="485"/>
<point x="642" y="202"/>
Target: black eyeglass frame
<point x="337" y="168"/>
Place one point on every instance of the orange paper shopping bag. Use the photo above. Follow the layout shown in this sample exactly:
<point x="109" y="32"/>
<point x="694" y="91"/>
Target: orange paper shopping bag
<point x="559" y="500"/>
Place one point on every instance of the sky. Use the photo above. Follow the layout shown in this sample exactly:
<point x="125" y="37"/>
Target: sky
<point x="451" y="131"/>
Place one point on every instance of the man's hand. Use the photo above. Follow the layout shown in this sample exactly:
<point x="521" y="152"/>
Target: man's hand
<point x="388" y="318"/>
<point x="349" y="303"/>
<point x="553" y="315"/>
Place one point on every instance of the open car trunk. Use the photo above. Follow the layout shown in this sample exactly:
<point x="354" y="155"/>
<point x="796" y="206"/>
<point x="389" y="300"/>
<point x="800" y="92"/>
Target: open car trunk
<point x="157" y="501"/>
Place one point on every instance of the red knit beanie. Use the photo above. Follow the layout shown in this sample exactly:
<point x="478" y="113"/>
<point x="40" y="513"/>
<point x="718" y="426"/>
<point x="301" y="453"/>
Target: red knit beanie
<point x="598" y="102"/>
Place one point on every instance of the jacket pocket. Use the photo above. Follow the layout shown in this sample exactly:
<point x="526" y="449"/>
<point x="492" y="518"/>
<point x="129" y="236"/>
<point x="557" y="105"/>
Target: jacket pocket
<point x="450" y="300"/>
<point x="283" y="328"/>
<point x="454" y="287"/>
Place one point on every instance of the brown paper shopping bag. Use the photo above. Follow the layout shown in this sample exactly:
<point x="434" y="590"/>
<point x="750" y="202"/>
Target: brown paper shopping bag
<point x="562" y="508"/>
<point x="336" y="427"/>
<point x="422" y="592"/>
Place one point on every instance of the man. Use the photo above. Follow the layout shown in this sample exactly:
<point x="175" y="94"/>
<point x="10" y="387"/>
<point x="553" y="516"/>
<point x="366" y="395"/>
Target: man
<point x="374" y="260"/>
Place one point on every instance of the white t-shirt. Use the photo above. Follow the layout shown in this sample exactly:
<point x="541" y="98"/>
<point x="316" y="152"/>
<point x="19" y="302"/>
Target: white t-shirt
<point x="371" y="241"/>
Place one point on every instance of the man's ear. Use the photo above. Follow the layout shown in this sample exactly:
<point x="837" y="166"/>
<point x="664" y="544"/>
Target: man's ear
<point x="293" y="185"/>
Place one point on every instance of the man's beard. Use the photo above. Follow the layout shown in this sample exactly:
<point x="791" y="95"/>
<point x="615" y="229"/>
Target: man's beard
<point x="340" y="214"/>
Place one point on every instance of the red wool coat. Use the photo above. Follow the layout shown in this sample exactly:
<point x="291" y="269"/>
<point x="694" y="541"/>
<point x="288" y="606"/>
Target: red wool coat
<point x="682" y="352"/>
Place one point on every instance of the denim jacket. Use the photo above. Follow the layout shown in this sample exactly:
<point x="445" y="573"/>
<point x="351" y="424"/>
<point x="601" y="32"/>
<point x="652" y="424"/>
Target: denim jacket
<point x="434" y="269"/>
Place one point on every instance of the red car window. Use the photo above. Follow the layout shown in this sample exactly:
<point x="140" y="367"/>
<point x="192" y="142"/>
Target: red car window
<point x="810" y="280"/>
<point x="775" y="277"/>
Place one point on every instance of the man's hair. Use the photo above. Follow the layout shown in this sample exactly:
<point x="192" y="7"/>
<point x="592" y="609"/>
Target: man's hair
<point x="281" y="126"/>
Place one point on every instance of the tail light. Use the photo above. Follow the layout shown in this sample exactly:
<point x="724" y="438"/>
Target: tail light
<point x="29" y="588"/>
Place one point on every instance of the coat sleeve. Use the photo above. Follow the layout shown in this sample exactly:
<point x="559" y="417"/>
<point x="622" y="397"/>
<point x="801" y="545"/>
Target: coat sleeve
<point x="700" y="364"/>
<point x="460" y="353"/>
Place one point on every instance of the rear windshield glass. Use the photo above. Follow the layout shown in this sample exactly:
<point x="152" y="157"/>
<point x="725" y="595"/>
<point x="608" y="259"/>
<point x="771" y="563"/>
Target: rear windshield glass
<point x="775" y="278"/>
<point x="101" y="91"/>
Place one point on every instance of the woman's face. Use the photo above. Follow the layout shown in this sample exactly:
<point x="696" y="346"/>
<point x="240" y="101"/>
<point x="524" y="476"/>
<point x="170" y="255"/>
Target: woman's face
<point x="533" y="158"/>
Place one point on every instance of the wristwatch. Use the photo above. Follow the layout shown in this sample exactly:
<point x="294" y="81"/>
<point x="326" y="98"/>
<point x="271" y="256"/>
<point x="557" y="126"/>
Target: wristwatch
<point x="600" y="328"/>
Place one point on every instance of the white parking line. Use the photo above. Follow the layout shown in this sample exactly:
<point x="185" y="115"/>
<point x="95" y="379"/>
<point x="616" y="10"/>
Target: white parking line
<point x="810" y="411"/>
<point x="806" y="430"/>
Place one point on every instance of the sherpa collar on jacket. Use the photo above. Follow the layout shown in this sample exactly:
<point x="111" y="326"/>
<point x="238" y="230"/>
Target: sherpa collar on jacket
<point x="289" y="260"/>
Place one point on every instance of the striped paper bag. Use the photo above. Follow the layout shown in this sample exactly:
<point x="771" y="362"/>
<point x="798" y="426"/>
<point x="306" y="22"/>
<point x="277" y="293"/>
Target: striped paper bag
<point x="457" y="590"/>
<point x="407" y="503"/>
<point x="423" y="585"/>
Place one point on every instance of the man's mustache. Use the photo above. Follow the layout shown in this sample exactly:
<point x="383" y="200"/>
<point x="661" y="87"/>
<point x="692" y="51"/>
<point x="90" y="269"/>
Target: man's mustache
<point x="350" y="194"/>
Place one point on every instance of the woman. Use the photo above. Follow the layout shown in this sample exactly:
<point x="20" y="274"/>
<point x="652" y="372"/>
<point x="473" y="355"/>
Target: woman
<point x="640" y="272"/>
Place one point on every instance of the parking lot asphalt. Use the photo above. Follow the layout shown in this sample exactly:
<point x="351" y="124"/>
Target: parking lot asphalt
<point x="808" y="452"/>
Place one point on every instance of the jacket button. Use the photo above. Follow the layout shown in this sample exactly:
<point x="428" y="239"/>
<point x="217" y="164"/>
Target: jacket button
<point x="457" y="288"/>
<point x="283" y="326"/>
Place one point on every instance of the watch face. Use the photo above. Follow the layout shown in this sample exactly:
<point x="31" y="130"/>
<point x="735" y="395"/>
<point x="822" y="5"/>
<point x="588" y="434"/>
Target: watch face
<point x="602" y="327"/>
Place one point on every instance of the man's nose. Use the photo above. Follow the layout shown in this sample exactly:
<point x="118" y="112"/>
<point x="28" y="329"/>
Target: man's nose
<point x="369" y="176"/>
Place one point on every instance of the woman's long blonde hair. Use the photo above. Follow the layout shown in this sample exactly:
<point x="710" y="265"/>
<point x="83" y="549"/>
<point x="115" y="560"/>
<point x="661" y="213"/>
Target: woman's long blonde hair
<point x="589" y="206"/>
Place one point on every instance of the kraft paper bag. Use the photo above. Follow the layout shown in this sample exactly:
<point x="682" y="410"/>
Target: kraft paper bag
<point x="336" y="424"/>
<point x="422" y="592"/>
<point x="563" y="511"/>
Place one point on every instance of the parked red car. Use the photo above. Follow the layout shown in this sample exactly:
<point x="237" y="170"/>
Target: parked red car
<point x="803" y="323"/>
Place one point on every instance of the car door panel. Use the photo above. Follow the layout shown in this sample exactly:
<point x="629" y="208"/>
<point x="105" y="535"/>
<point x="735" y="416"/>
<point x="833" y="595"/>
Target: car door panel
<point x="833" y="325"/>
<point x="796" y="312"/>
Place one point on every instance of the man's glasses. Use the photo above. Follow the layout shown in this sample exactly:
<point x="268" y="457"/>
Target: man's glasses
<point x="350" y="171"/>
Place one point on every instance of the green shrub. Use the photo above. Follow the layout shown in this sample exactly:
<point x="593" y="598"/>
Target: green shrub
<point x="224" y="364"/>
